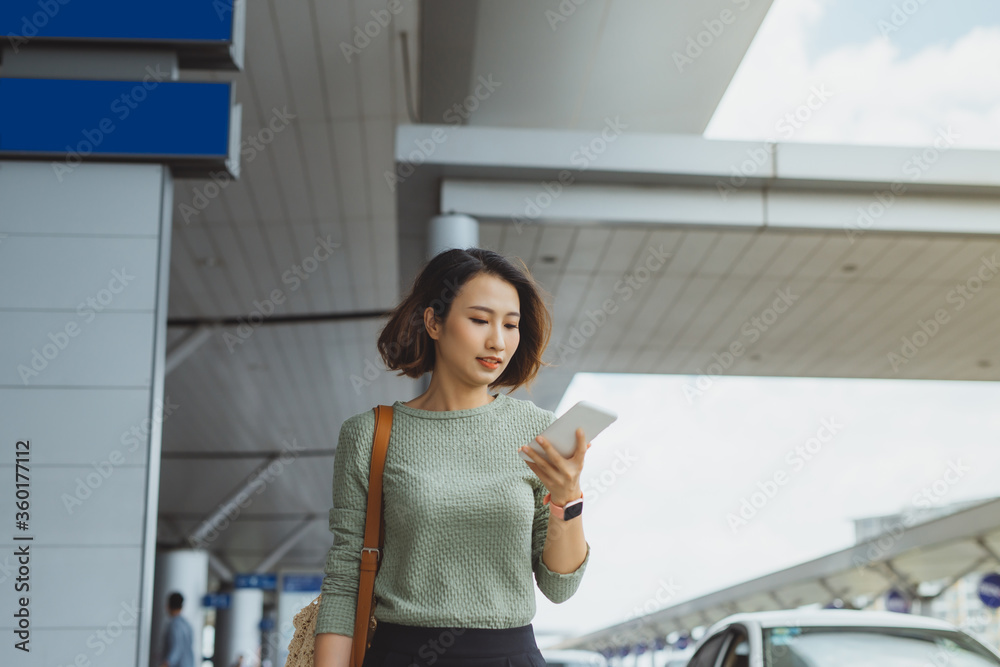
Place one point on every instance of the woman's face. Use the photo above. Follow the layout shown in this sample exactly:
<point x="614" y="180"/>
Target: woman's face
<point x="482" y="322"/>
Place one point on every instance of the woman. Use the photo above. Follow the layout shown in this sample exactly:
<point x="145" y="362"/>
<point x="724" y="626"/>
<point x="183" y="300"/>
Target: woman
<point x="467" y="520"/>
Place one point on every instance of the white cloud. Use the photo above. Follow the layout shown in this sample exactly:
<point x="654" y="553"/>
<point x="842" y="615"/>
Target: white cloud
<point x="878" y="96"/>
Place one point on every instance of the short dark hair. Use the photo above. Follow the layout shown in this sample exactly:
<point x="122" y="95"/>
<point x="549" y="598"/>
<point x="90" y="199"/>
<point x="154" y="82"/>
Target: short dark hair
<point x="175" y="601"/>
<point x="405" y="344"/>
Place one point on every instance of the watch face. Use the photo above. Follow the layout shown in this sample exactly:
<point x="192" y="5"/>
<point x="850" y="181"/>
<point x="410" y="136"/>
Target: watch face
<point x="572" y="511"/>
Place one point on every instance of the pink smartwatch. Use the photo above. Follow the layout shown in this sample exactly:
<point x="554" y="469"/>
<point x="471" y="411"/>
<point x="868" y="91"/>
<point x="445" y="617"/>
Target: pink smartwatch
<point x="570" y="510"/>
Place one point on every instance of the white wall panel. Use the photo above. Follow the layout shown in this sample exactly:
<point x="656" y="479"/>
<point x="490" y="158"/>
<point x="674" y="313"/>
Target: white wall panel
<point x="89" y="424"/>
<point x="68" y="272"/>
<point x="114" y="349"/>
<point x="75" y="587"/>
<point x="89" y="401"/>
<point x="35" y="200"/>
<point x="65" y="646"/>
<point x="83" y="505"/>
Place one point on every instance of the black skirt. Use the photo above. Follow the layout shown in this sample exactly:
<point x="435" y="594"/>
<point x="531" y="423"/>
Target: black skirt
<point x="395" y="645"/>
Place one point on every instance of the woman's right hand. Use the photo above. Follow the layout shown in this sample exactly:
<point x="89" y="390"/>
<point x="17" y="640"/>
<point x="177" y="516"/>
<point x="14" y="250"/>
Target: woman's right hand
<point x="332" y="650"/>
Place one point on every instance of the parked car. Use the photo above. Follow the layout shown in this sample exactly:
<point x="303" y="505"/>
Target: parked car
<point x="679" y="657"/>
<point x="573" y="658"/>
<point x="838" y="638"/>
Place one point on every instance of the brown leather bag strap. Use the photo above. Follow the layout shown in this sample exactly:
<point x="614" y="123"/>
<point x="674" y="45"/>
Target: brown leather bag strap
<point x="371" y="552"/>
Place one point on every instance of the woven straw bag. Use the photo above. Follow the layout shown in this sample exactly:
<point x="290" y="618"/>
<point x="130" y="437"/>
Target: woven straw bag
<point x="301" y="649"/>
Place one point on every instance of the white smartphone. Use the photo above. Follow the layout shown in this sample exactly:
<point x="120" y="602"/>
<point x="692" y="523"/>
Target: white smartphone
<point x="562" y="432"/>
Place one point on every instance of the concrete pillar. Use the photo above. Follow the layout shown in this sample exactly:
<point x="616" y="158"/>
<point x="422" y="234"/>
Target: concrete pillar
<point x="84" y="262"/>
<point x="237" y="629"/>
<point x="184" y="571"/>
<point x="446" y="231"/>
<point x="451" y="230"/>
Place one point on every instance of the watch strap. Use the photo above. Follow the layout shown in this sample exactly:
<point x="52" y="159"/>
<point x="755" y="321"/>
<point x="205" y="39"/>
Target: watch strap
<point x="560" y="511"/>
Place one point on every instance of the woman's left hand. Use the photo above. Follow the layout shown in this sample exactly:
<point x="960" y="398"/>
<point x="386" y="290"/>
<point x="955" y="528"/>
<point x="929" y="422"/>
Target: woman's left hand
<point x="560" y="474"/>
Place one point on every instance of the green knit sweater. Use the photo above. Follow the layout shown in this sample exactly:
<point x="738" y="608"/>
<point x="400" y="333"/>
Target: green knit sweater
<point x="464" y="521"/>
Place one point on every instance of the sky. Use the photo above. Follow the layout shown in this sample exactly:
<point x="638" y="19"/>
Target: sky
<point x="670" y="508"/>
<point x="659" y="521"/>
<point x="940" y="66"/>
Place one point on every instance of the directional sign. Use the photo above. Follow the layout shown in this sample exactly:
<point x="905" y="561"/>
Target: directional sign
<point x="989" y="590"/>
<point x="266" y="581"/>
<point x="216" y="600"/>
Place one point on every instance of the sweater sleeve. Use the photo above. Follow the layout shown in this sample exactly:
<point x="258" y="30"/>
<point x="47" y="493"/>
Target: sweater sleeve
<point x="556" y="586"/>
<point x="351" y="460"/>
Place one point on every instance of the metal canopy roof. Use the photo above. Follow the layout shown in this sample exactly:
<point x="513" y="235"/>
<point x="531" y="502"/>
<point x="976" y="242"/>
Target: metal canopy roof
<point x="947" y="548"/>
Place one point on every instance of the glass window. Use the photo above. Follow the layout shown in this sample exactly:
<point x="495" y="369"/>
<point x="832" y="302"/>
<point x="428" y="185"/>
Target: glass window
<point x="872" y="647"/>
<point x="737" y="653"/>
<point x="707" y="654"/>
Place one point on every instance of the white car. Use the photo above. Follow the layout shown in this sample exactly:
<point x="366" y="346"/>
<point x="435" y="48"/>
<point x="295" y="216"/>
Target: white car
<point x="573" y="658"/>
<point x="838" y="638"/>
<point x="679" y="657"/>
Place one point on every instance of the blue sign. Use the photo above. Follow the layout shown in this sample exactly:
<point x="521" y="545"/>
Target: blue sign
<point x="203" y="33"/>
<point x="302" y="583"/>
<point x="152" y="119"/>
<point x="268" y="582"/>
<point x="216" y="600"/>
<point x="989" y="590"/>
<point x="896" y="601"/>
<point x="165" y="20"/>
